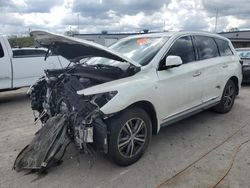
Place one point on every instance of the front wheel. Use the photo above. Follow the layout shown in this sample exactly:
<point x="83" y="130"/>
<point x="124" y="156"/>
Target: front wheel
<point x="130" y="133"/>
<point x="227" y="99"/>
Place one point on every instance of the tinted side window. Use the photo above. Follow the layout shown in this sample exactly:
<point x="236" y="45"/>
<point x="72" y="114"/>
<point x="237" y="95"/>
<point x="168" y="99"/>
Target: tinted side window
<point x="28" y="53"/>
<point x="40" y="52"/>
<point x="1" y="51"/>
<point x="33" y="52"/>
<point x="183" y="47"/>
<point x="206" y="47"/>
<point x="223" y="47"/>
<point x="17" y="53"/>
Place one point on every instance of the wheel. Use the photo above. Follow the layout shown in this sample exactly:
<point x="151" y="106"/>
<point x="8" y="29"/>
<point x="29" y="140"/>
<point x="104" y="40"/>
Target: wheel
<point x="130" y="133"/>
<point x="227" y="99"/>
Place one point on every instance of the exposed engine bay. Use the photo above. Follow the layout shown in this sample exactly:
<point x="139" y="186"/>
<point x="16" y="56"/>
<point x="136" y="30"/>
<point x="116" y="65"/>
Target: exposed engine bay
<point x="68" y="117"/>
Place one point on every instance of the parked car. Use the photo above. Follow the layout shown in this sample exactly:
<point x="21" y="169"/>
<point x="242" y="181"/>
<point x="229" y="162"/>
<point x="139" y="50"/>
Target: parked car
<point x="244" y="54"/>
<point x="21" y="67"/>
<point x="117" y="99"/>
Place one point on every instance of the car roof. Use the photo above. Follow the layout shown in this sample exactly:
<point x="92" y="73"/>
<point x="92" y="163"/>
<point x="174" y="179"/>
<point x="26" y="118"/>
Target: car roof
<point x="177" y="34"/>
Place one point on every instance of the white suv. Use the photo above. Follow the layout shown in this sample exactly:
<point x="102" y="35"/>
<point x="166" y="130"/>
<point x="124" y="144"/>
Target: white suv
<point x="136" y="86"/>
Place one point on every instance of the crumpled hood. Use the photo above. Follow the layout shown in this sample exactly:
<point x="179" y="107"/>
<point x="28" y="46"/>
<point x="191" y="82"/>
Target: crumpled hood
<point x="75" y="49"/>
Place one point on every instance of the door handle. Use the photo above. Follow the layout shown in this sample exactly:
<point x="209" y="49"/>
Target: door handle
<point x="196" y="74"/>
<point x="224" y="66"/>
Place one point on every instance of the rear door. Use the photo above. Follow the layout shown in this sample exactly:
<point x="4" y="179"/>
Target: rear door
<point x="180" y="88"/>
<point x="228" y="61"/>
<point x="5" y="68"/>
<point x="212" y="63"/>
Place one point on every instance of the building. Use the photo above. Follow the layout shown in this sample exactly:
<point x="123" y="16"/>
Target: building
<point x="105" y="39"/>
<point x="240" y="39"/>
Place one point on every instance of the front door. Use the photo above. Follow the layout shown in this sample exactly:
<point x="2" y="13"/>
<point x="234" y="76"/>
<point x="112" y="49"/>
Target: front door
<point x="180" y="88"/>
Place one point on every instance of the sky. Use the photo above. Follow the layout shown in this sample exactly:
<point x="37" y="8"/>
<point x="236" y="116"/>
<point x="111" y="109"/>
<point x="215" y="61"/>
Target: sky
<point x="94" y="16"/>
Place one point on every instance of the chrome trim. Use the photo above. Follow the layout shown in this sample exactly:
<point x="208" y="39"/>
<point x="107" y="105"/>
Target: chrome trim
<point x="211" y="99"/>
<point x="187" y="114"/>
<point x="198" y="108"/>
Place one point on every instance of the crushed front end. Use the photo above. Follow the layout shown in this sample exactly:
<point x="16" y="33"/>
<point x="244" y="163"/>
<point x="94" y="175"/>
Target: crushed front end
<point x="67" y="116"/>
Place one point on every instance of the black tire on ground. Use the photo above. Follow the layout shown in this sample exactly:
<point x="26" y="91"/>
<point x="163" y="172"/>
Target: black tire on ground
<point x="129" y="136"/>
<point x="227" y="99"/>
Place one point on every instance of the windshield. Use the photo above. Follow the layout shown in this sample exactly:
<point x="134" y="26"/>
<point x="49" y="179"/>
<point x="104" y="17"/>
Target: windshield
<point x="142" y="50"/>
<point x="244" y="54"/>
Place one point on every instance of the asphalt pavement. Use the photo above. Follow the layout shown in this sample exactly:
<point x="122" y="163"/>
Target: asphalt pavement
<point x="205" y="150"/>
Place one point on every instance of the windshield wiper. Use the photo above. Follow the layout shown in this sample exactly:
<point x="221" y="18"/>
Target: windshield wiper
<point x="106" y="66"/>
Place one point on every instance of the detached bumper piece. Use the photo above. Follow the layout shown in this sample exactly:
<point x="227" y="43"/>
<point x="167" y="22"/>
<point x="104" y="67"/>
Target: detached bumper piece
<point x="47" y="148"/>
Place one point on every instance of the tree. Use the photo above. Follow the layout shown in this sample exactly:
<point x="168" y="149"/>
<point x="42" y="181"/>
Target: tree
<point x="233" y="29"/>
<point x="16" y="42"/>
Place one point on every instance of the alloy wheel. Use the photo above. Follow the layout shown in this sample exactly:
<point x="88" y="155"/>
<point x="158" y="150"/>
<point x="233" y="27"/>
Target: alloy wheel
<point x="132" y="137"/>
<point x="228" y="96"/>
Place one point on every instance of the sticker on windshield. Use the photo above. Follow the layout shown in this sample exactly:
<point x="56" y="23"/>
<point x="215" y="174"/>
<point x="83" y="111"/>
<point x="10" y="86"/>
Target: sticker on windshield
<point x="142" y="41"/>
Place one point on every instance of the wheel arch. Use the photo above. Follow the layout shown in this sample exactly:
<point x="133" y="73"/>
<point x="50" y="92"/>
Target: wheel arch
<point x="149" y="108"/>
<point x="236" y="82"/>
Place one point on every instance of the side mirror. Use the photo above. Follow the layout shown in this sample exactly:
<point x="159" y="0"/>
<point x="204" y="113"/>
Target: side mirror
<point x="173" y="61"/>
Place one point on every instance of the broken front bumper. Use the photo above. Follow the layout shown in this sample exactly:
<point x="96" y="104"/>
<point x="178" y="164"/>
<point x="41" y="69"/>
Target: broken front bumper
<point x="46" y="148"/>
<point x="50" y="142"/>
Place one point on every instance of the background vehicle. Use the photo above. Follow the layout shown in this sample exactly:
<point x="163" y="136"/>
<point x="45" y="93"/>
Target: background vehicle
<point x="244" y="54"/>
<point x="22" y="67"/>
<point x="117" y="99"/>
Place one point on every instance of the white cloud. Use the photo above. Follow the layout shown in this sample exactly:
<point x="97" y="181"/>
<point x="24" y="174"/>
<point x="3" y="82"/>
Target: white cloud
<point x="234" y="22"/>
<point x="120" y="16"/>
<point x="20" y="3"/>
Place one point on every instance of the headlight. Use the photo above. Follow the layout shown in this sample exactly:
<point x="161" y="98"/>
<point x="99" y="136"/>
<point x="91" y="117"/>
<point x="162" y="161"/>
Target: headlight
<point x="102" y="98"/>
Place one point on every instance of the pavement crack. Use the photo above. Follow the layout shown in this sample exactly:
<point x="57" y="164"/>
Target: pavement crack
<point x="200" y="158"/>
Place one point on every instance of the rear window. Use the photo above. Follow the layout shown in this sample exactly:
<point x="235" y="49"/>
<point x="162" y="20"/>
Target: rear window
<point x="1" y="51"/>
<point x="206" y="47"/>
<point x="224" y="48"/>
<point x="28" y="53"/>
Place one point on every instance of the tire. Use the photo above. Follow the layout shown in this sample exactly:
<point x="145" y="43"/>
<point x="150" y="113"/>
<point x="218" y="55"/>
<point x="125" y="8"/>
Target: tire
<point x="120" y="141"/>
<point x="227" y="99"/>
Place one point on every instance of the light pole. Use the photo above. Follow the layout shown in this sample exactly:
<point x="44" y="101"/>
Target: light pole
<point x="78" y="15"/>
<point x="216" y="20"/>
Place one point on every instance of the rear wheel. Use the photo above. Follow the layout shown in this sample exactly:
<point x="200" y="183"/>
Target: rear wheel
<point x="227" y="99"/>
<point x="130" y="133"/>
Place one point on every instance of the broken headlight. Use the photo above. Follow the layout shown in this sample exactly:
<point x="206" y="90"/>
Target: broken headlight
<point x="102" y="98"/>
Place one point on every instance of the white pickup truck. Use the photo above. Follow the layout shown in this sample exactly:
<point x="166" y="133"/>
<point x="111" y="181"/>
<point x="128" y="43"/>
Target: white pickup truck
<point x="18" y="71"/>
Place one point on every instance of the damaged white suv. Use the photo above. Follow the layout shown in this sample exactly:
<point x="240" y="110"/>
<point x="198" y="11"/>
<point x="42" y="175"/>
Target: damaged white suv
<point x="113" y="99"/>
